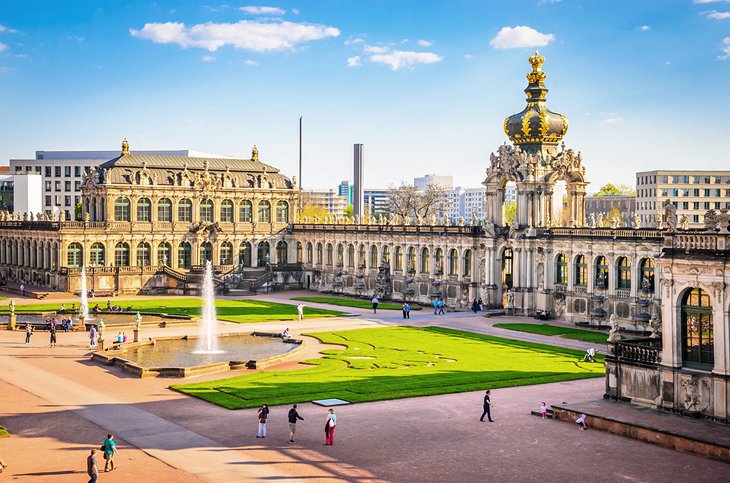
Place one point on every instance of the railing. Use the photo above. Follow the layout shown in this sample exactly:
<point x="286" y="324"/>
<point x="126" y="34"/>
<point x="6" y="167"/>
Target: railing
<point x="580" y="289"/>
<point x="430" y="229"/>
<point x="623" y="294"/>
<point x="633" y="233"/>
<point x="695" y="241"/>
<point x="644" y="351"/>
<point x="255" y="285"/>
<point x="182" y="277"/>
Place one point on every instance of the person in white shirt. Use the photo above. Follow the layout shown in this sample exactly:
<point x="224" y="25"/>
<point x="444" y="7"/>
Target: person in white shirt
<point x="375" y="302"/>
<point x="300" y="312"/>
<point x="581" y="422"/>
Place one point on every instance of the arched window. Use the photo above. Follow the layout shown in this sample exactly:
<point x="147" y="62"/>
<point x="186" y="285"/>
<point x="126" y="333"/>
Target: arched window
<point x="319" y="254"/>
<point x="623" y="273"/>
<point x="438" y="261"/>
<point x="425" y="261"/>
<point x="361" y="256"/>
<point x="96" y="254"/>
<point x="601" y="272"/>
<point x="310" y="253"/>
<point x="373" y="257"/>
<point x="164" y="210"/>
<point x="411" y="260"/>
<point x="398" y="258"/>
<point x="351" y="256"/>
<point x="453" y="262"/>
<point x="386" y="254"/>
<point x="264" y="212"/>
<point x="121" y="254"/>
<point x="340" y="255"/>
<point x="121" y="209"/>
<point x="281" y="255"/>
<point x="206" y="252"/>
<point x="581" y="271"/>
<point x="329" y="254"/>
<point x="244" y="254"/>
<point x="206" y="210"/>
<point x="698" y="340"/>
<point x="561" y="269"/>
<point x="144" y="209"/>
<point x="647" y="273"/>
<point x="227" y="213"/>
<point x="225" y="254"/>
<point x="164" y="252"/>
<point x="467" y="263"/>
<point x="244" y="211"/>
<point x="300" y="255"/>
<point x="262" y="257"/>
<point x="143" y="254"/>
<point x="282" y="212"/>
<point x="185" y="210"/>
<point x="75" y="255"/>
<point x="184" y="255"/>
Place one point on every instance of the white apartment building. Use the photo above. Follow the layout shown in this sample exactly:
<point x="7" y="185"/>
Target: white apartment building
<point x="376" y="200"/>
<point x="328" y="199"/>
<point x="63" y="171"/>
<point x="445" y="181"/>
<point x="691" y="192"/>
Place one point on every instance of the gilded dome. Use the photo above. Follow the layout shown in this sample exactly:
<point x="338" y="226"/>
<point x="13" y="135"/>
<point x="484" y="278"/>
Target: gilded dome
<point x="536" y="123"/>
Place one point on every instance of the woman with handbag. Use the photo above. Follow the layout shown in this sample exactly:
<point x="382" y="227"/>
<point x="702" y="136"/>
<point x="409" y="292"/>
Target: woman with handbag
<point x="263" y="414"/>
<point x="330" y="423"/>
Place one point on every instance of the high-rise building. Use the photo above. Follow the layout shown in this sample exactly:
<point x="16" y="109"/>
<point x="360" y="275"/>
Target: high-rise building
<point x="63" y="171"/>
<point x="345" y="189"/>
<point x="693" y="193"/>
<point x="445" y="181"/>
<point x="358" y="192"/>
<point x="375" y="201"/>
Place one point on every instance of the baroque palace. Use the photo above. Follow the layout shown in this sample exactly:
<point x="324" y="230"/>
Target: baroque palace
<point x="149" y="222"/>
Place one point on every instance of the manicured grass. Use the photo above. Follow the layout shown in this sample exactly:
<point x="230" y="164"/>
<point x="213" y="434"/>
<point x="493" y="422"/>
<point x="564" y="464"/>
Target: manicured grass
<point x="566" y="332"/>
<point x="397" y="362"/>
<point x="229" y="310"/>
<point x="361" y="304"/>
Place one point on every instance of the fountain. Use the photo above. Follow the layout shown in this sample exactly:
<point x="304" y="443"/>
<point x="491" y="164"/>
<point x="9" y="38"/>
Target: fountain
<point x="84" y="307"/>
<point x="208" y="341"/>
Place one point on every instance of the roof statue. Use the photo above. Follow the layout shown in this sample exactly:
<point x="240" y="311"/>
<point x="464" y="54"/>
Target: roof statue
<point x="254" y="153"/>
<point x="125" y="147"/>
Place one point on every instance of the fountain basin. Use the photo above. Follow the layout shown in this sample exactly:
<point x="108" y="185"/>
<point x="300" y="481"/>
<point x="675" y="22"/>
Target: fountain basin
<point x="175" y="357"/>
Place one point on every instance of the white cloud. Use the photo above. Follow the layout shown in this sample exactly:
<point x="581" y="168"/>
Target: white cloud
<point x="669" y="62"/>
<point x="251" y="62"/>
<point x="354" y="40"/>
<point x="424" y="43"/>
<point x="76" y="38"/>
<point x="3" y="47"/>
<point x="354" y="61"/>
<point x="468" y="56"/>
<point x="725" y="50"/>
<point x="4" y="29"/>
<point x="295" y="11"/>
<point x="5" y="70"/>
<point x="703" y="2"/>
<point x="263" y="10"/>
<point x="520" y="36"/>
<point x="375" y="49"/>
<point x="644" y="28"/>
<point x="611" y="117"/>
<point x="207" y="58"/>
<point x="715" y="15"/>
<point x="247" y="34"/>
<point x="218" y="8"/>
<point x="401" y="59"/>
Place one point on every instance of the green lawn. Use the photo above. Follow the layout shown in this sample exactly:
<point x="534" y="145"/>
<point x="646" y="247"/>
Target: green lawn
<point x="566" y="332"/>
<point x="396" y="362"/>
<point x="361" y="304"/>
<point x="246" y="310"/>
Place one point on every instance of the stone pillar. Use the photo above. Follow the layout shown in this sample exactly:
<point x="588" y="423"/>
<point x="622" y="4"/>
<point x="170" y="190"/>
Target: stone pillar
<point x="12" y="325"/>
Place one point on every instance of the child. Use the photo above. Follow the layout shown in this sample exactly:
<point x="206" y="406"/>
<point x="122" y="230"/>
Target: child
<point x="543" y="410"/>
<point x="581" y="422"/>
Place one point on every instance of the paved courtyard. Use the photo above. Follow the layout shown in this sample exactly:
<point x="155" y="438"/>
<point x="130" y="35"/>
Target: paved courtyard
<point x="58" y="405"/>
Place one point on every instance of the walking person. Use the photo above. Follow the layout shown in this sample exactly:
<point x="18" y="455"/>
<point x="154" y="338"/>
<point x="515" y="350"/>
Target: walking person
<point x="408" y="310"/>
<point x="435" y="306"/>
<point x="300" y="312"/>
<point x="263" y="416"/>
<point x="22" y="290"/>
<point x="375" y="303"/>
<point x="404" y="310"/>
<point x="487" y="408"/>
<point x="91" y="467"/>
<point x="92" y="337"/>
<point x="330" y="423"/>
<point x="53" y="335"/>
<point x="28" y="332"/>
<point x="441" y="306"/>
<point x="110" y="449"/>
<point x="293" y="416"/>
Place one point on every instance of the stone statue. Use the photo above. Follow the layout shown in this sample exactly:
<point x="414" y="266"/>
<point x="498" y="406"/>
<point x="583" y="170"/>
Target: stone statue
<point x="433" y="220"/>
<point x="62" y="215"/>
<point x="164" y="263"/>
<point x="599" y="220"/>
<point x="670" y="216"/>
<point x="25" y="216"/>
<point x="11" y="306"/>
<point x="419" y="220"/>
<point x="294" y="182"/>
<point x="357" y="219"/>
<point x="637" y="221"/>
<point x="513" y="229"/>
<point x="473" y="218"/>
<point x="613" y="335"/>
<point x="87" y="217"/>
<point x="461" y="221"/>
<point x="100" y="328"/>
<point x="540" y="276"/>
<point x="684" y="222"/>
<point x="510" y="299"/>
<point x="615" y="222"/>
<point x="446" y="221"/>
<point x="137" y="321"/>
<point x="656" y="326"/>
<point x="592" y="222"/>
<point x="659" y="219"/>
<point x="30" y="216"/>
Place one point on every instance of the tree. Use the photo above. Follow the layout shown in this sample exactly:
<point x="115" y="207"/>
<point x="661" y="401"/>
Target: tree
<point x="614" y="212"/>
<point x="610" y="189"/>
<point x="349" y="210"/>
<point x="311" y="210"/>
<point x="78" y="211"/>
<point x="510" y="212"/>
<point x="406" y="200"/>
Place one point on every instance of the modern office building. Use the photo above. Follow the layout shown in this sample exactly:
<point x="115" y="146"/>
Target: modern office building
<point x="602" y="206"/>
<point x="328" y="199"/>
<point x="445" y="181"/>
<point x="691" y="192"/>
<point x="375" y="201"/>
<point x="345" y="189"/>
<point x="63" y="172"/>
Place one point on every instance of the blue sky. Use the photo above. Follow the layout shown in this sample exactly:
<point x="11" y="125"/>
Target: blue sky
<point x="425" y="85"/>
